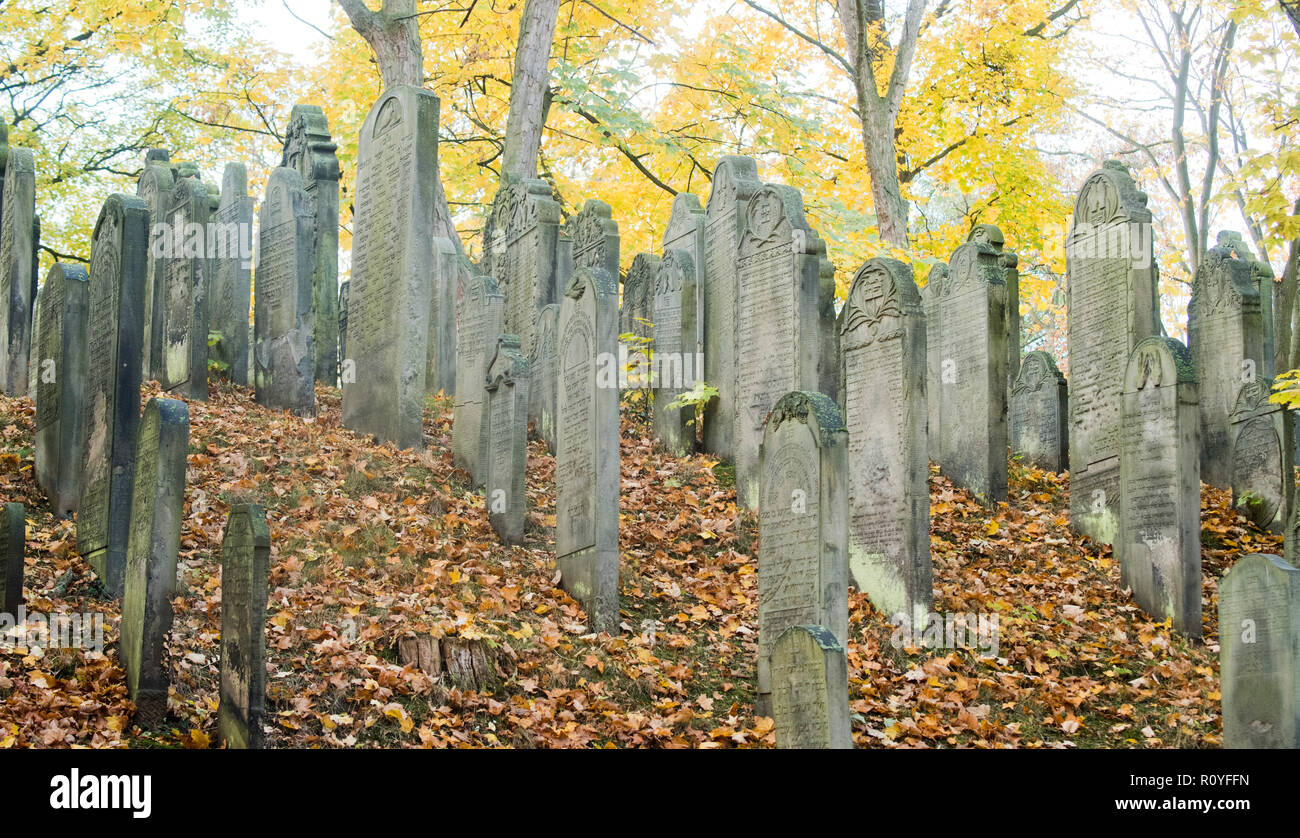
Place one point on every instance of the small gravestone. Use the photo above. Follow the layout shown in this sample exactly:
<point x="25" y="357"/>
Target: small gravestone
<point x="544" y="374"/>
<point x="118" y="260"/>
<point x="504" y="445"/>
<point x="685" y="232"/>
<point x="519" y="249"/>
<point x="803" y="525"/>
<point x="393" y="259"/>
<point x="440" y="364"/>
<point x="883" y="337"/>
<point x="60" y="361"/>
<point x="638" y="297"/>
<point x="1159" y="544"/>
<point x="17" y="220"/>
<point x="932" y="297"/>
<point x="284" y="354"/>
<point x="13" y="543"/>
<point x="1263" y="487"/>
<point x="480" y="310"/>
<point x="1040" y="414"/>
<point x="157" y="508"/>
<point x="1259" y="653"/>
<point x="154" y="187"/>
<point x="343" y="318"/>
<point x="1008" y="262"/>
<point x="232" y="233"/>
<point x="245" y="567"/>
<point x="594" y="234"/>
<point x="586" y="453"/>
<point x="184" y="303"/>
<point x="810" y="690"/>
<point x="675" y="364"/>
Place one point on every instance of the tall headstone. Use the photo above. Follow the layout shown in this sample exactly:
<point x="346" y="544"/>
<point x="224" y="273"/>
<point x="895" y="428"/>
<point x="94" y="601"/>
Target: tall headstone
<point x="594" y="234"/>
<point x="932" y="297"/>
<point x="60" y="361"/>
<point x="828" y="358"/>
<point x="686" y="225"/>
<point x="1009" y="263"/>
<point x="13" y="545"/>
<point x="16" y="265"/>
<point x="157" y="509"/>
<point x="675" y="362"/>
<point x="1263" y="484"/>
<point x="480" y="311"/>
<point x="154" y="187"/>
<point x="638" y="297"/>
<point x="284" y="352"/>
<point x="245" y="567"/>
<point x="1263" y="281"/>
<point x="1159" y="543"/>
<point x="184" y="303"/>
<point x="545" y="382"/>
<point x="810" y="690"/>
<point x="1113" y="306"/>
<point x="586" y="454"/>
<point x="440" y="364"/>
<point x="393" y="262"/>
<point x="344" y="289"/>
<point x="232" y="232"/>
<point x="520" y="244"/>
<point x="1040" y="427"/>
<point x="118" y="260"/>
<point x="503" y="449"/>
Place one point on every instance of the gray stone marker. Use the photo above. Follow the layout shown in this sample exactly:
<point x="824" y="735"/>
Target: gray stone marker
<point x="440" y="364"/>
<point x="735" y="180"/>
<point x="586" y="453"/>
<point x="1159" y="543"/>
<point x="154" y="187"/>
<point x="932" y="296"/>
<point x="1225" y="332"/>
<point x="157" y="508"/>
<point x="810" y="690"/>
<point x="1263" y="486"/>
<point x="520" y="242"/>
<point x="1040" y="426"/>
<point x="803" y="576"/>
<point x="1259" y="653"/>
<point x="503" y="450"/>
<point x="60" y="362"/>
<point x="393" y="260"/>
<point x="1113" y="306"/>
<point x="675" y="363"/>
<point x="17" y="220"/>
<point x="183" y="301"/>
<point x="232" y="273"/>
<point x="545" y="382"/>
<point x="1262" y="279"/>
<point x="638" y="297"/>
<point x="686" y="232"/>
<point x="119" y="248"/>
<point x="883" y="337"/>
<point x="309" y="149"/>
<point x="284" y="352"/>
<point x="13" y="544"/>
<point x="480" y="311"/>
<point x="344" y="290"/>
<point x="594" y="234"/>
<point x="778" y="323"/>
<point x="245" y="567"/>
<point x="972" y="373"/>
<point x="1009" y="262"/>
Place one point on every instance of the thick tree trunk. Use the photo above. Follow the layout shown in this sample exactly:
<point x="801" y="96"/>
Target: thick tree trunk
<point x="882" y="168"/>
<point x="528" y="88"/>
<point x="1292" y="9"/>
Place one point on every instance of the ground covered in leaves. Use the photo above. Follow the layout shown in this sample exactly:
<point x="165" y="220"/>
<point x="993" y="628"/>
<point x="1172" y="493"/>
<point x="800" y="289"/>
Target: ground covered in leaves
<point x="370" y="544"/>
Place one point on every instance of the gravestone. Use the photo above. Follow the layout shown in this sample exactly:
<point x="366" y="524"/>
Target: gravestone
<point x="393" y="262"/>
<point x="810" y="690"/>
<point x="828" y="359"/>
<point x="154" y="187"/>
<point x="1263" y="281"/>
<point x="184" y="304"/>
<point x="343" y="319"/>
<point x="440" y="364"/>
<point x="972" y="374"/>
<point x="882" y="390"/>
<point x="638" y="297"/>
<point x="586" y="453"/>
<point x="157" y="509"/>
<point x="60" y="361"/>
<point x="675" y="362"/>
<point x="1159" y="543"/>
<point x="1040" y="428"/>
<point x="1262" y="470"/>
<point x="232" y="273"/>
<point x="685" y="232"/>
<point x="778" y="326"/>
<point x="309" y="149"/>
<point x="1009" y="263"/>
<point x="503" y="448"/>
<point x="545" y="373"/>
<point x="1259" y="653"/>
<point x="245" y="567"/>
<point x="17" y="219"/>
<point x="480" y="310"/>
<point x="594" y="234"/>
<point x="13" y="544"/>
<point x="1113" y="306"/>
<point x="520" y="243"/>
<point x="1225" y="332"/>
<point x="284" y="352"/>
<point x="118" y="251"/>
<point x="803" y="574"/>
<point x="932" y="296"/>
<point x="735" y="180"/>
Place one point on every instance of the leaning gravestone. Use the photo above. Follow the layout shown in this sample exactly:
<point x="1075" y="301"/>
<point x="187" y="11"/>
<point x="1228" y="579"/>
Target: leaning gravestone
<point x="883" y="337"/>
<point x="638" y="296"/>
<point x="686" y="232"/>
<point x="503" y="449"/>
<point x="392" y="265"/>
<point x="675" y="363"/>
<point x="778" y="267"/>
<point x="118" y="262"/>
<point x="155" y="188"/>
<point x="343" y="319"/>
<point x="440" y="363"/>
<point x="1039" y="414"/>
<point x="1113" y="306"/>
<point x="1259" y="653"/>
<point x="1008" y="262"/>
<point x="284" y="352"/>
<point x="60" y="360"/>
<point x="586" y="454"/>
<point x="13" y="543"/>
<point x="232" y="273"/>
<point x="157" y="509"/>
<point x="245" y="566"/>
<point x="932" y="299"/>
<point x="480" y="310"/>
<point x="16" y="266"/>
<point x="810" y="690"/>
<point x="1159" y="543"/>
<point x="184" y="302"/>
<point x="803" y="574"/>
<point x="520" y="243"/>
<point x="1263" y="487"/>
<point x="545" y="373"/>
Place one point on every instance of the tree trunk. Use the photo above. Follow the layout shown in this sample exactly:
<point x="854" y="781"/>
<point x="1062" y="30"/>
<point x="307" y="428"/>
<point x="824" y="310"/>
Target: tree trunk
<point x="1292" y="9"/>
<point x="882" y="168"/>
<point x="528" y="88"/>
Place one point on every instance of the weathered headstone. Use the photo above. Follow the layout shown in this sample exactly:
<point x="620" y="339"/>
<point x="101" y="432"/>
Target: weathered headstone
<point x="545" y="373"/>
<point x="932" y="297"/>
<point x="1259" y="653"/>
<point x="440" y="365"/>
<point x="594" y="234"/>
<point x="686" y="232"/>
<point x="1008" y="262"/>
<point x="810" y="690"/>
<point x="16" y="265"/>
<point x="13" y="545"/>
<point x="284" y="353"/>
<point x="232" y="233"/>
<point x="60" y="360"/>
<point x="1262" y="278"/>
<point x="393" y="261"/>
<point x="520" y="243"/>
<point x="154" y="187"/>
<point x="344" y="289"/>
<point x="184" y="313"/>
<point x="882" y="339"/>
<point x="1263" y="486"/>
<point x="157" y="509"/>
<point x="118" y="260"/>
<point x="1040" y="427"/>
<point x="828" y="358"/>
<point x="1113" y="306"/>
<point x="675" y="362"/>
<point x="1159" y="543"/>
<point x="503" y="449"/>
<point x="480" y="311"/>
<point x="245" y="567"/>
<point x="638" y="296"/>
<point x="586" y="454"/>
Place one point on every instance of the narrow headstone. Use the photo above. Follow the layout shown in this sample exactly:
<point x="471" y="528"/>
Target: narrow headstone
<point x="1263" y="486"/>
<point x="16" y="266"/>
<point x="675" y="362"/>
<point x="440" y="365"/>
<point x="245" y="567"/>
<point x="155" y="188"/>
<point x="545" y="374"/>
<point x="13" y="544"/>
<point x="520" y="242"/>
<point x="594" y="234"/>
<point x="686" y="232"/>
<point x="480" y="310"/>
<point x="504" y="445"/>
<point x="1040" y="427"/>
<point x="60" y="361"/>
<point x="232" y="230"/>
<point x="638" y="297"/>
<point x="932" y="298"/>
<point x="343" y="319"/>
<point x="184" y="298"/>
<point x="828" y="358"/>
<point x="1262" y="277"/>
<point x="1008" y="262"/>
<point x="810" y="690"/>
